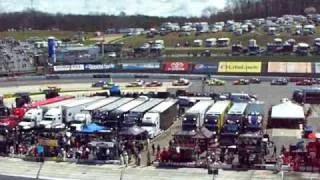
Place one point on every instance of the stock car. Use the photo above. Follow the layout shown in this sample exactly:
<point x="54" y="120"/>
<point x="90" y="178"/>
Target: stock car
<point x="305" y="82"/>
<point x="255" y="81"/>
<point x="154" y="84"/>
<point x="241" y="82"/>
<point x="279" y="81"/>
<point x="109" y="85"/>
<point x="98" y="84"/>
<point x="215" y="82"/>
<point x="137" y="83"/>
<point x="181" y="82"/>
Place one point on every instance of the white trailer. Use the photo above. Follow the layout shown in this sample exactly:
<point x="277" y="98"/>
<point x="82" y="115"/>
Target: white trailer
<point x="160" y="117"/>
<point x="33" y="117"/>
<point x="56" y="117"/>
<point x="194" y="117"/>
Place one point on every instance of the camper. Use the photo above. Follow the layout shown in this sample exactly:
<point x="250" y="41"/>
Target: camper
<point x="135" y="115"/>
<point x="198" y="43"/>
<point x="309" y="29"/>
<point x="223" y="42"/>
<point x="215" y="116"/>
<point x="160" y="117"/>
<point x="302" y="49"/>
<point x="210" y="42"/>
<point x="194" y="117"/>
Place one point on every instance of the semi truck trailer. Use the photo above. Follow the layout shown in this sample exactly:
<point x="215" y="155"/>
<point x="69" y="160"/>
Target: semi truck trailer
<point x="160" y="117"/>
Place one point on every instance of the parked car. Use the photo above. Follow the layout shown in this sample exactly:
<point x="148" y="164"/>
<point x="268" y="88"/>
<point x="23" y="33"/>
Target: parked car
<point x="215" y="82"/>
<point x="255" y="81"/>
<point x="241" y="82"/>
<point x="181" y="82"/>
<point x="154" y="84"/>
<point x="305" y="82"/>
<point x="98" y="84"/>
<point x="279" y="81"/>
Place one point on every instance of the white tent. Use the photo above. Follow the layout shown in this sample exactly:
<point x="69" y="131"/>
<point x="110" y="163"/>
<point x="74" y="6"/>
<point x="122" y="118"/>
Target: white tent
<point x="287" y="110"/>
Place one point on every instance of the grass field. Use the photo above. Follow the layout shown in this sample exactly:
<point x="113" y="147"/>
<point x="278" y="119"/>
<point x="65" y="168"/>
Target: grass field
<point x="262" y="38"/>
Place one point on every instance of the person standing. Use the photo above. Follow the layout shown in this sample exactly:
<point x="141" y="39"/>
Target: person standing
<point x="153" y="149"/>
<point x="126" y="157"/>
<point x="274" y="150"/>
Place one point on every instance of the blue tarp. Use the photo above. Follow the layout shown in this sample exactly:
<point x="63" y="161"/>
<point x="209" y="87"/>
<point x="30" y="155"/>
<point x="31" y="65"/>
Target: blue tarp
<point x="91" y="128"/>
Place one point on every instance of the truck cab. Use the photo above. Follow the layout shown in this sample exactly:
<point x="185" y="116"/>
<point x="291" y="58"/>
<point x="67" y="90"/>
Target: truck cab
<point x="190" y="122"/>
<point x="52" y="119"/>
<point x="131" y="119"/>
<point x="151" y="123"/>
<point x="31" y="119"/>
<point x="80" y="120"/>
<point x="254" y="121"/>
<point x="211" y="122"/>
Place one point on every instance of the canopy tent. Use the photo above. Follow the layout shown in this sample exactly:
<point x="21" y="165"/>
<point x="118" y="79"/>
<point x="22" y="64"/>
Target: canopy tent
<point x="92" y="128"/>
<point x="204" y="133"/>
<point x="105" y="144"/>
<point x="132" y="131"/>
<point x="287" y="110"/>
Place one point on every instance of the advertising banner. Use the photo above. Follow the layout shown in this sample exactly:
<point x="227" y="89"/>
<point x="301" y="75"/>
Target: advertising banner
<point x="239" y="67"/>
<point x="48" y="142"/>
<point x="77" y="67"/>
<point x="176" y="66"/>
<point x="91" y="67"/>
<point x="289" y="67"/>
<point x="205" y="68"/>
<point x="61" y="68"/>
<point x="140" y="66"/>
<point x="317" y="68"/>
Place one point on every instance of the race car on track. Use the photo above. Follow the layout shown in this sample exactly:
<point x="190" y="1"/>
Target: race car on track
<point x="109" y="85"/>
<point x="98" y="84"/>
<point x="154" y="84"/>
<point x="241" y="82"/>
<point x="215" y="82"/>
<point x="137" y="83"/>
<point x="279" y="81"/>
<point x="255" y="81"/>
<point x="181" y="82"/>
<point x="305" y="82"/>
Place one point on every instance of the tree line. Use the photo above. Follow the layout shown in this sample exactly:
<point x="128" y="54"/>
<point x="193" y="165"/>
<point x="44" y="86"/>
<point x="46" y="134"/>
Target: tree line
<point x="235" y="9"/>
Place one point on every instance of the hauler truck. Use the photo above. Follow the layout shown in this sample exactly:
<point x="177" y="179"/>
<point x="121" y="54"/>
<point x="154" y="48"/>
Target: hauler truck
<point x="233" y="124"/>
<point x="160" y="117"/>
<point x="34" y="116"/>
<point x="100" y="115"/>
<point x="116" y="117"/>
<point x="214" y="117"/>
<point x="194" y="117"/>
<point x="254" y="116"/>
<point x="85" y="116"/>
<point x="135" y="115"/>
<point x="56" y="118"/>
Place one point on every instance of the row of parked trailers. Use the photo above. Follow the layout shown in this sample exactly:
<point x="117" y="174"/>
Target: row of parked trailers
<point x="225" y="119"/>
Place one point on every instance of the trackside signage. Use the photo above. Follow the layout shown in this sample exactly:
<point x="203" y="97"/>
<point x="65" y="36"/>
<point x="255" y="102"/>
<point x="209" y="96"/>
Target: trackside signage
<point x="205" y="68"/>
<point x="239" y="67"/>
<point x="176" y="66"/>
<point x="317" y="68"/>
<point x="140" y="66"/>
<point x="61" y="68"/>
<point x="289" y="67"/>
<point x="98" y="66"/>
<point x="77" y="67"/>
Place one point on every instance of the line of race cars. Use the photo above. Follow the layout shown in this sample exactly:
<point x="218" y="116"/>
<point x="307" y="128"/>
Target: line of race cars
<point x="209" y="82"/>
<point x="140" y="83"/>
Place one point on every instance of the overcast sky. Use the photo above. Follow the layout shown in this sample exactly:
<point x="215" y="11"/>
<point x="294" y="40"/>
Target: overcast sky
<point x="130" y="7"/>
